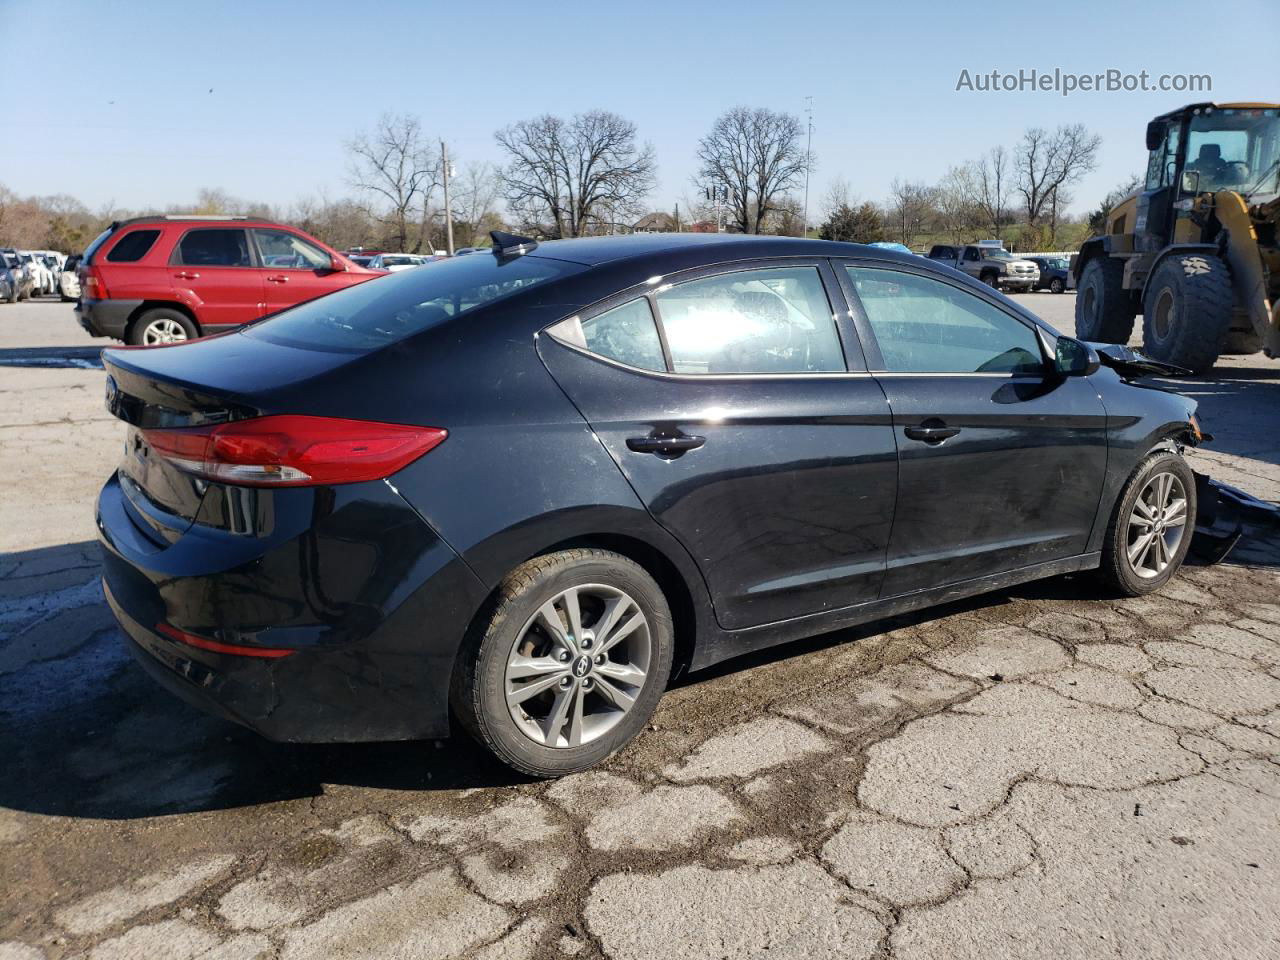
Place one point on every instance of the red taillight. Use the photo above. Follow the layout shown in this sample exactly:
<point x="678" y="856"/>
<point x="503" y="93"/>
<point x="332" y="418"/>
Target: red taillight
<point x="216" y="646"/>
<point x="294" y="451"/>
<point x="94" y="287"/>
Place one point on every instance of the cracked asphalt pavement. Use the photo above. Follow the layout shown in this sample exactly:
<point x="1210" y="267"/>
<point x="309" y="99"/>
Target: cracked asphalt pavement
<point x="1041" y="772"/>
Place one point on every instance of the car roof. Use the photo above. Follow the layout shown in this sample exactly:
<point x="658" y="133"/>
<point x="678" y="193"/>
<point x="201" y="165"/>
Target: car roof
<point x="714" y="247"/>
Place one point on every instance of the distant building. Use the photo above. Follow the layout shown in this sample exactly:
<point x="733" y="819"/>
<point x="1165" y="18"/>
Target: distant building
<point x="654" y="223"/>
<point x="702" y="226"/>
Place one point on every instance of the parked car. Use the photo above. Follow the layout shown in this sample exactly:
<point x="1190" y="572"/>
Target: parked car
<point x="8" y="283"/>
<point x="68" y="281"/>
<point x="21" y="278"/>
<point x="399" y="261"/>
<point x="329" y="526"/>
<point x="463" y="251"/>
<point x="990" y="263"/>
<point x="41" y="276"/>
<point x="1055" y="274"/>
<point x="157" y="280"/>
<point x="888" y="245"/>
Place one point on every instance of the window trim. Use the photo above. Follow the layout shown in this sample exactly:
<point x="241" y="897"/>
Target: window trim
<point x="175" y="256"/>
<point x="875" y="359"/>
<point x="851" y="347"/>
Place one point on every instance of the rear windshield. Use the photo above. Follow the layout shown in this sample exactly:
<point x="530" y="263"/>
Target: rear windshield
<point x="98" y="241"/>
<point x="382" y="311"/>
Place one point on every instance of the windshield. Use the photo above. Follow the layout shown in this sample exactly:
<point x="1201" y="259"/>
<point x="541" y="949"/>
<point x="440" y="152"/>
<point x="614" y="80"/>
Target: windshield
<point x="387" y="309"/>
<point x="1235" y="150"/>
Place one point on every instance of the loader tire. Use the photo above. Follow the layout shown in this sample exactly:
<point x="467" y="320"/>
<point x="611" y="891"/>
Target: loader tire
<point x="1104" y="309"/>
<point x="1187" y="311"/>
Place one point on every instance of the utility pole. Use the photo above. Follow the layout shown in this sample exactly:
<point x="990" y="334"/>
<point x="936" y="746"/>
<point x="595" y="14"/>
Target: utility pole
<point x="717" y="193"/>
<point x="808" y="159"/>
<point x="448" y="209"/>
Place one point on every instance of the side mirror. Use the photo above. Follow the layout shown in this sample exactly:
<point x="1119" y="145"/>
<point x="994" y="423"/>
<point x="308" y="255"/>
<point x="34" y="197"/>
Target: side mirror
<point x="336" y="265"/>
<point x="1155" y="135"/>
<point x="1071" y="358"/>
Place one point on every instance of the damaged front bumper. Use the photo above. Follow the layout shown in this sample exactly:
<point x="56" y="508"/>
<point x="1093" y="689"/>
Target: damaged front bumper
<point x="1224" y="514"/>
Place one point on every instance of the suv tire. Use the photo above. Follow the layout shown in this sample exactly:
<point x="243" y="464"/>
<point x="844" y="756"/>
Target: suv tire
<point x="568" y="724"/>
<point x="161" y="325"/>
<point x="1150" y="499"/>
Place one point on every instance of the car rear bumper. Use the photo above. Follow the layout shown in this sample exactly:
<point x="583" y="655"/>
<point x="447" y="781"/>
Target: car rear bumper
<point x="106" y="318"/>
<point x="371" y="602"/>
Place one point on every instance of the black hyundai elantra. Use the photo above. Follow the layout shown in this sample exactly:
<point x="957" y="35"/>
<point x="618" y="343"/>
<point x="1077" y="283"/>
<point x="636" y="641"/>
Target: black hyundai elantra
<point x="522" y="489"/>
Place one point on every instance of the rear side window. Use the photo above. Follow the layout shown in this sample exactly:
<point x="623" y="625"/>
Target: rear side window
<point x="626" y="334"/>
<point x="214" y="248"/>
<point x="775" y="320"/>
<point x="387" y="309"/>
<point x="133" y="246"/>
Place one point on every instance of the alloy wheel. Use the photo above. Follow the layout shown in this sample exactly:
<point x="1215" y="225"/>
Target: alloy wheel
<point x="577" y="666"/>
<point x="1157" y="525"/>
<point x="163" y="330"/>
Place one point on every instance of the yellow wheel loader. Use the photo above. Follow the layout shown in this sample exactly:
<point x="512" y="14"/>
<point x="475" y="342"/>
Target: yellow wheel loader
<point x="1194" y="250"/>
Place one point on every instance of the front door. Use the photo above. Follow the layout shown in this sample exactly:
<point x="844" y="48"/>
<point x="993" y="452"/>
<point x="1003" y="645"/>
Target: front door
<point x="726" y="401"/>
<point x="1001" y="461"/>
<point x="293" y="270"/>
<point x="212" y="271"/>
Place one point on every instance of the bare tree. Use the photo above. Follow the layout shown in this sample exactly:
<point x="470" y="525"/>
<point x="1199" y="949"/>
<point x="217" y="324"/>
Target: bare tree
<point x="757" y="154"/>
<point x="993" y="180"/>
<point x="475" y="193"/>
<point x="837" y="195"/>
<point x="910" y="206"/>
<point x="566" y="176"/>
<point x="1047" y="162"/>
<point x="955" y="200"/>
<point x="397" y="165"/>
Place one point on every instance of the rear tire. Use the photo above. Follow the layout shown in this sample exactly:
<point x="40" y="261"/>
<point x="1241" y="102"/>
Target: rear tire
<point x="1132" y="565"/>
<point x="1105" y="311"/>
<point x="161" y="325"/>
<point x="1187" y="311"/>
<point x="597" y="693"/>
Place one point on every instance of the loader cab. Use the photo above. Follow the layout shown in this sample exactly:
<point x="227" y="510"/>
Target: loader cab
<point x="1204" y="149"/>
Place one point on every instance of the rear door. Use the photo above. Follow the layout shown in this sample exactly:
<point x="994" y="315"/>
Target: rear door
<point x="1001" y="462"/>
<point x="214" y="271"/>
<point x="293" y="269"/>
<point x="726" y="399"/>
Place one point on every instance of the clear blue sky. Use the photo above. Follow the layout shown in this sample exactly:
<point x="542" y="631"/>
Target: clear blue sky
<point x="142" y="104"/>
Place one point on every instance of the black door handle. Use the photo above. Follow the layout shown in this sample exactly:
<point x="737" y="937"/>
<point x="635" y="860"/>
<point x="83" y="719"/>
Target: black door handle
<point x="667" y="446"/>
<point x="932" y="431"/>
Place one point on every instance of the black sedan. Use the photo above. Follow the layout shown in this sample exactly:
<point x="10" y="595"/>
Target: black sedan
<point x="522" y="488"/>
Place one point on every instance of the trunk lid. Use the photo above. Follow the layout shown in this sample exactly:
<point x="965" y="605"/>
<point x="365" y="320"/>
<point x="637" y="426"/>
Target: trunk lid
<point x="193" y="384"/>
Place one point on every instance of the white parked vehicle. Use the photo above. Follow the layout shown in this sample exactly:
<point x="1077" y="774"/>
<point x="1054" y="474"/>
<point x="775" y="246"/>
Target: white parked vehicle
<point x="42" y="281"/>
<point x="69" y="280"/>
<point x="399" y="261"/>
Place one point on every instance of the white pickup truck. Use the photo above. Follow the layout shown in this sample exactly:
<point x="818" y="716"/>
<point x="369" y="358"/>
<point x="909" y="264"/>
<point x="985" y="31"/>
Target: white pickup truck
<point x="990" y="263"/>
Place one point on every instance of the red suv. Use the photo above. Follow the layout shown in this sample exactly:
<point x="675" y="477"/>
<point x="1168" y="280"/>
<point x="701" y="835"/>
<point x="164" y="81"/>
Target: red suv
<point x="164" y="279"/>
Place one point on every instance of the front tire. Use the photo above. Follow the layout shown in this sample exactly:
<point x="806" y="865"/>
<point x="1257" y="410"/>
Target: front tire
<point x="567" y="664"/>
<point x="162" y="325"/>
<point x="1104" y="310"/>
<point x="1187" y="311"/>
<point x="1057" y="286"/>
<point x="1151" y="526"/>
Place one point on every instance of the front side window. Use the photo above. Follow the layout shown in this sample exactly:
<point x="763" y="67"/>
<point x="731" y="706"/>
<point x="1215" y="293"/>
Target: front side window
<point x="971" y="253"/>
<point x="626" y="334"/>
<point x="281" y="249"/>
<point x="927" y="326"/>
<point x="214" y="248"/>
<point x="133" y="246"/>
<point x="774" y="320"/>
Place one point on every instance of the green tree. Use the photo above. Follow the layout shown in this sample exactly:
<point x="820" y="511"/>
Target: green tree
<point x="863" y="224"/>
